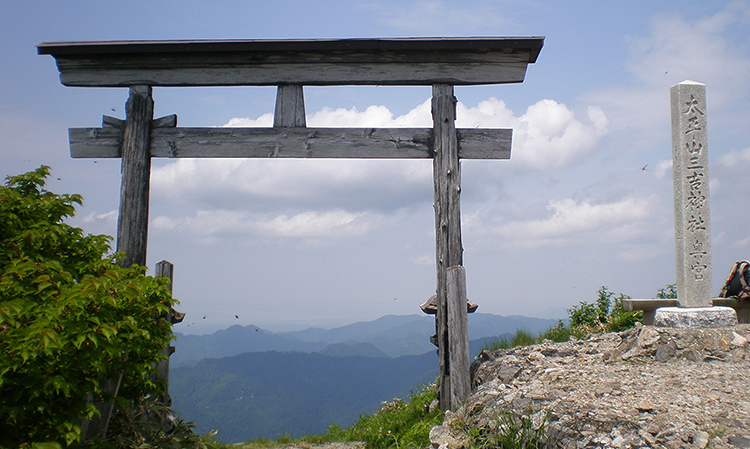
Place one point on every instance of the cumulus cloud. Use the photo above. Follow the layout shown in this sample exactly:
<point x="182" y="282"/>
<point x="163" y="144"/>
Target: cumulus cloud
<point x="570" y="221"/>
<point x="547" y="135"/>
<point x="316" y="224"/>
<point x="264" y="121"/>
<point x="208" y="225"/>
<point x="372" y="117"/>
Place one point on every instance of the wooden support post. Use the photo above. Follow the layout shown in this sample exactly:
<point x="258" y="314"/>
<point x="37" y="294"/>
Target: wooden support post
<point x="165" y="269"/>
<point x="97" y="426"/>
<point x="290" y="107"/>
<point x="449" y="251"/>
<point x="458" y="335"/>
<point x="132" y="223"/>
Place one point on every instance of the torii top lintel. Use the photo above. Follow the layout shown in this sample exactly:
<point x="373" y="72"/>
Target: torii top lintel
<point x="393" y="61"/>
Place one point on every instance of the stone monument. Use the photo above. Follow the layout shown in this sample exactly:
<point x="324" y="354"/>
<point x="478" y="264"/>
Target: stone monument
<point x="692" y="221"/>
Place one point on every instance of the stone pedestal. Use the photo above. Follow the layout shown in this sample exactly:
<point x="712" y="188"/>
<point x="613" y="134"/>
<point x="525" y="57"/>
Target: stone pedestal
<point x="695" y="317"/>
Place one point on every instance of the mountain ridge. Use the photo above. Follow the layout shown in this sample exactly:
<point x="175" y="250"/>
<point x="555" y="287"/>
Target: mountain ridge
<point x="393" y="335"/>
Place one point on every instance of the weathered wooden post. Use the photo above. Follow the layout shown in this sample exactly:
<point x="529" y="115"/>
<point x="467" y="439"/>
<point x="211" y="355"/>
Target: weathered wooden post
<point x="290" y="107"/>
<point x="132" y="221"/>
<point x="165" y="269"/>
<point x="452" y="331"/>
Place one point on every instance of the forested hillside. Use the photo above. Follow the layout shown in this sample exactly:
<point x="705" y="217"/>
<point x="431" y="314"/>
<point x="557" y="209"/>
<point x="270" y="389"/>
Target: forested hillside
<point x="273" y="393"/>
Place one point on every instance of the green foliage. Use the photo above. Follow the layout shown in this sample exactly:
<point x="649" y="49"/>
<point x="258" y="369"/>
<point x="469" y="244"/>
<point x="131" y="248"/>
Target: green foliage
<point x="398" y="424"/>
<point x="511" y="430"/>
<point x="70" y="318"/>
<point x="558" y="333"/>
<point x="143" y="427"/>
<point x="520" y="338"/>
<point x="668" y="292"/>
<point x="606" y="314"/>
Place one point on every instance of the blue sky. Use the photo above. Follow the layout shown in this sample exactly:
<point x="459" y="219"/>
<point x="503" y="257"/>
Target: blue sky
<point x="288" y="244"/>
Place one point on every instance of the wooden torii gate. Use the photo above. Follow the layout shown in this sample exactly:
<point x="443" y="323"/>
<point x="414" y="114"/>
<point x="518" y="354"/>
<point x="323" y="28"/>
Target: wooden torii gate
<point x="291" y="64"/>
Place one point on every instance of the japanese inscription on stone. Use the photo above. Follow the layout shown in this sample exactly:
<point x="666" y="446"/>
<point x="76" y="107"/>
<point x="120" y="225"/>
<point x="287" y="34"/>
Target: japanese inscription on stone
<point x="691" y="199"/>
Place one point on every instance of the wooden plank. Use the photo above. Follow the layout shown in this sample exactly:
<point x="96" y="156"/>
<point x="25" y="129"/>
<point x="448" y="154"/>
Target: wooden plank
<point x="647" y="304"/>
<point x="168" y="121"/>
<point x="303" y="74"/>
<point x="132" y="221"/>
<point x="424" y="61"/>
<point x="385" y="143"/>
<point x="290" y="106"/>
<point x="458" y="336"/>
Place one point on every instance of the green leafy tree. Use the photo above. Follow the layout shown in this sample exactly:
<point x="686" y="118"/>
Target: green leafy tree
<point x="70" y="318"/>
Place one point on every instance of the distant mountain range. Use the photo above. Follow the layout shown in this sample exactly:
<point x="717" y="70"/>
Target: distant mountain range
<point x="248" y="383"/>
<point x="389" y="336"/>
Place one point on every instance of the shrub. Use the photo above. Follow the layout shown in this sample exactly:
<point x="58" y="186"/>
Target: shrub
<point x="605" y="315"/>
<point x="70" y="318"/>
<point x="398" y="424"/>
<point x="512" y="430"/>
<point x="668" y="292"/>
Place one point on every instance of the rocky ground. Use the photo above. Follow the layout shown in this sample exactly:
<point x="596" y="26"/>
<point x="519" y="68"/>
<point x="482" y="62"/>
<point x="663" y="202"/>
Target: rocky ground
<point x="644" y="387"/>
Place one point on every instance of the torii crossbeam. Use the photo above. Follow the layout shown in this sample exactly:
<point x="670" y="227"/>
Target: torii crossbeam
<point x="291" y="64"/>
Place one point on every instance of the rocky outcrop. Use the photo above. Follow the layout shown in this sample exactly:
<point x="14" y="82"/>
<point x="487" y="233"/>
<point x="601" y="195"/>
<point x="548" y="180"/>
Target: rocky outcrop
<point x="644" y="387"/>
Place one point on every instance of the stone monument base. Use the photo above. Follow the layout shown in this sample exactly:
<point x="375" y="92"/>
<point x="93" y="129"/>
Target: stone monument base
<point x="695" y="317"/>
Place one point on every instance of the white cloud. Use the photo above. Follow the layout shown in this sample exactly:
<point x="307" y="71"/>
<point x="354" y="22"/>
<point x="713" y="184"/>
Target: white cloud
<point x="743" y="243"/>
<point x="732" y="158"/>
<point x="207" y="225"/>
<point x="662" y="167"/>
<point x="424" y="259"/>
<point x="696" y="50"/>
<point x="676" y="50"/>
<point x="110" y="216"/>
<point x="372" y="117"/>
<point x="317" y="224"/>
<point x="548" y="135"/>
<point x="434" y="16"/>
<point x="264" y="121"/>
<point x="569" y="222"/>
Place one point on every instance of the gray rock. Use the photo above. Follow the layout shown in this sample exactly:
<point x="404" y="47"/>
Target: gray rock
<point x="644" y="387"/>
<point x="695" y="317"/>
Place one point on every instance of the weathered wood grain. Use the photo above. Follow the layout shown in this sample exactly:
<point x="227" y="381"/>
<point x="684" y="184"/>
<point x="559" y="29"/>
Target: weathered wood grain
<point x="458" y="336"/>
<point x="168" y="121"/>
<point x="132" y="221"/>
<point x="448" y="247"/>
<point x="424" y="61"/>
<point x="164" y="269"/>
<point x="303" y="74"/>
<point x="385" y="143"/>
<point x="290" y="106"/>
